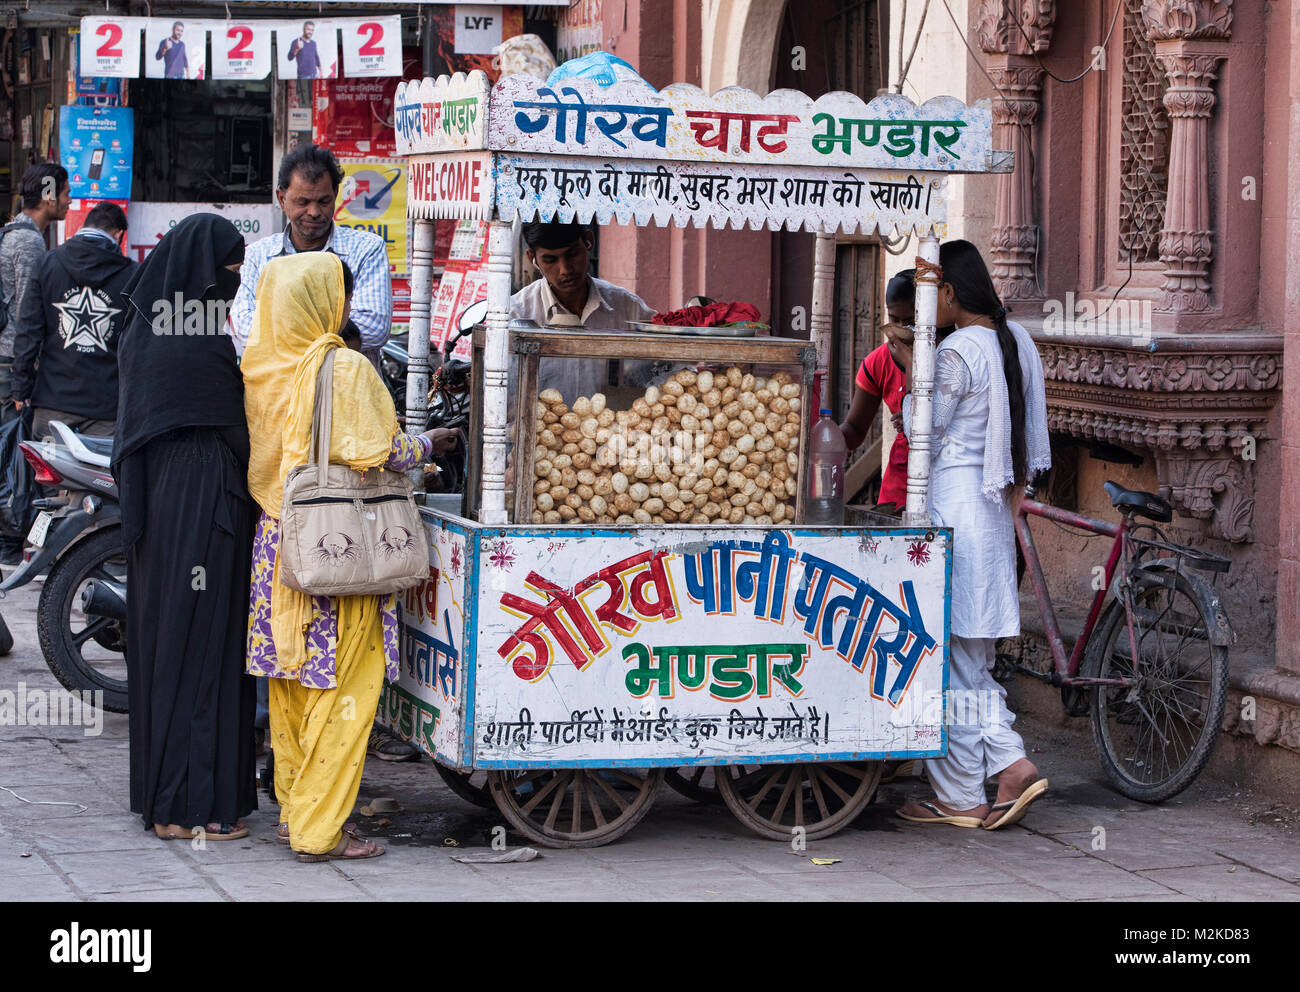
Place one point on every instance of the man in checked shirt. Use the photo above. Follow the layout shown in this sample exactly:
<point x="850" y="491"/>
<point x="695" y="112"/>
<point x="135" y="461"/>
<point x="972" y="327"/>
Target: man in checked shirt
<point x="307" y="189"/>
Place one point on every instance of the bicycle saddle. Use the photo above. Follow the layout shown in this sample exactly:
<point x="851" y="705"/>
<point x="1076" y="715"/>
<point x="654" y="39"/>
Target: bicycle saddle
<point x="1138" y="502"/>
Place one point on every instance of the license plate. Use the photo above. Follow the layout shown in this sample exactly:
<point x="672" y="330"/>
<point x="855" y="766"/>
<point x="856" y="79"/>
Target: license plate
<point x="36" y="536"/>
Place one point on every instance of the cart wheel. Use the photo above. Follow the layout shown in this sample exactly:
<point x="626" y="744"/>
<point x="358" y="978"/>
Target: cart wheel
<point x="470" y="786"/>
<point x="772" y="800"/>
<point x="574" y="807"/>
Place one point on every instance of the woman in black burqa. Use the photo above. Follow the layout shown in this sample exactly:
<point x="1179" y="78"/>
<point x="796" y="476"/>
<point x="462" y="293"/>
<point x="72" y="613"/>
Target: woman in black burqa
<point x="180" y="457"/>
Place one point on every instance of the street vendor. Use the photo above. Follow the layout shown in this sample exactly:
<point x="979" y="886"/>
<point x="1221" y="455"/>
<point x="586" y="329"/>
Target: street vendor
<point x="562" y="254"/>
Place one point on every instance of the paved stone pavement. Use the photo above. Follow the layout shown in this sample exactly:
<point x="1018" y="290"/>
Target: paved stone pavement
<point x="1083" y="842"/>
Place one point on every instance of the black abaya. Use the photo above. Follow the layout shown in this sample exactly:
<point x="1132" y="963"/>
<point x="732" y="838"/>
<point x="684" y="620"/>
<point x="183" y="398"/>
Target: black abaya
<point x="180" y="458"/>
<point x="192" y="705"/>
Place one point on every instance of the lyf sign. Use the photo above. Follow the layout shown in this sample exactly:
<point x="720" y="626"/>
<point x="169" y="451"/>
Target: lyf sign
<point x="478" y="29"/>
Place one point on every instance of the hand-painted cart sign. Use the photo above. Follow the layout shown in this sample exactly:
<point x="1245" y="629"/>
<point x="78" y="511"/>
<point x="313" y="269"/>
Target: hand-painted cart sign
<point x="676" y="645"/>
<point x="683" y="123"/>
<point x="605" y="190"/>
<point x="456" y="184"/>
<point x="426" y="705"/>
<point x="442" y="115"/>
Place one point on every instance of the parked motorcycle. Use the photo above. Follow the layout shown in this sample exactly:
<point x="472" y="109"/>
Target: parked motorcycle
<point x="77" y="536"/>
<point x="449" y="390"/>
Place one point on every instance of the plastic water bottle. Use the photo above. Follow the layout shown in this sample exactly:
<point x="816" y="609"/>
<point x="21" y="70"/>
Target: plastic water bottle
<point x="827" y="452"/>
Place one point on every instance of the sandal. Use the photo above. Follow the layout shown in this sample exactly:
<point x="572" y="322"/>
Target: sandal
<point x="952" y="819"/>
<point x="350" y="829"/>
<point x="1014" y="810"/>
<point x="226" y="831"/>
<point x="339" y="851"/>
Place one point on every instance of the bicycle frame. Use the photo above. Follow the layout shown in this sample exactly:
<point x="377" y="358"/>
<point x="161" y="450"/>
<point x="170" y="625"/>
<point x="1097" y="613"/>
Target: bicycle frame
<point x="1067" y="668"/>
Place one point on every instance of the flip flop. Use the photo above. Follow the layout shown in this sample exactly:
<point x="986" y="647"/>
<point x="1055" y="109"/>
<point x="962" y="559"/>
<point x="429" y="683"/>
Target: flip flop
<point x="174" y="831"/>
<point x="338" y="853"/>
<point x="941" y="817"/>
<point x="1016" y="808"/>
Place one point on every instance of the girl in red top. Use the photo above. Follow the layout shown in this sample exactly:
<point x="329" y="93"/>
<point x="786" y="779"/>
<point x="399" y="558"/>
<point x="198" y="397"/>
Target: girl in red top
<point x="879" y="380"/>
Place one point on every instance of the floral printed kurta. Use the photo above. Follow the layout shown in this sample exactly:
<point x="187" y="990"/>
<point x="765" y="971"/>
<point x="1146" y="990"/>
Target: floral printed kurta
<point x="408" y="451"/>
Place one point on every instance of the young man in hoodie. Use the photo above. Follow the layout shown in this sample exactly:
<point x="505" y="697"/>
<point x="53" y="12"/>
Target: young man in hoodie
<point x="70" y="322"/>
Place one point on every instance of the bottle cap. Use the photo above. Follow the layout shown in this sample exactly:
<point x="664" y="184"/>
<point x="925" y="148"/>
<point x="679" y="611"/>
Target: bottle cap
<point x="826" y="412"/>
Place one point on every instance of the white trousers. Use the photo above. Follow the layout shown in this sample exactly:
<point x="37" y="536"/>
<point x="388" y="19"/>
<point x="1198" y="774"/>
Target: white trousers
<point x="980" y="740"/>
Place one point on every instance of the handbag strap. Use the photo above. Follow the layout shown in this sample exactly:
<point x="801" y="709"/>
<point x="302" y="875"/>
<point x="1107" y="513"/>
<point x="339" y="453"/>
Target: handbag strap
<point x="322" y="420"/>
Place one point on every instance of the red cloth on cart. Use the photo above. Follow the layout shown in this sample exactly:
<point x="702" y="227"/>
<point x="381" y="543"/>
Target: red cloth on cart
<point x="713" y="315"/>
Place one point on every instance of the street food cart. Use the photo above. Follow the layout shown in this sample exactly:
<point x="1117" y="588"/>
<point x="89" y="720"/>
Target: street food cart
<point x="574" y="656"/>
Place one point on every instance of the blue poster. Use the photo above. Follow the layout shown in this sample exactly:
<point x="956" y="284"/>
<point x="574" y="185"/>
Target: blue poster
<point x="95" y="146"/>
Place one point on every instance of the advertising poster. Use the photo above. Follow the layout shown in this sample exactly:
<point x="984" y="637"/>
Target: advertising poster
<point x="148" y="222"/>
<point x="478" y="28"/>
<point x="175" y="48"/>
<point x="241" y="50"/>
<point x="353" y="118"/>
<point x="373" y="198"/>
<point x="447" y="58"/>
<point x="307" y="49"/>
<point x="90" y="91"/>
<point x="96" y="148"/>
<point x="372" y="47"/>
<point x="579" y="30"/>
<point x="78" y="209"/>
<point x="444" y="306"/>
<point x="110" y="46"/>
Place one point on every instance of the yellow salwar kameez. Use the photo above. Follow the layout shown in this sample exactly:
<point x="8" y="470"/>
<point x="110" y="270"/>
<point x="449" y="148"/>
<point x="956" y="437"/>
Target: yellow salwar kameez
<point x="326" y="657"/>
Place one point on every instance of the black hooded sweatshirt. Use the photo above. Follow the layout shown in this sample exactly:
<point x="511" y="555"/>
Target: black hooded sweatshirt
<point x="71" y="322"/>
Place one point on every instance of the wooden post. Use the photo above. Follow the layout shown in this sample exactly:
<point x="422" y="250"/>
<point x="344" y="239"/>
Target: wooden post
<point x="417" y="345"/>
<point x="917" y="513"/>
<point x="496" y="359"/>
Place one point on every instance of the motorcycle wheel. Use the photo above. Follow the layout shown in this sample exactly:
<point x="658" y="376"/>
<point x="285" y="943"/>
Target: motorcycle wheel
<point x="98" y="555"/>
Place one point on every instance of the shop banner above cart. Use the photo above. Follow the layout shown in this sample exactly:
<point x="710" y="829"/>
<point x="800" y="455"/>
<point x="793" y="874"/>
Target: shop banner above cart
<point x="443" y="115"/>
<point x="176" y="47"/>
<point x="630" y="191"/>
<point x="372" y="197"/>
<point x="683" y="123"/>
<point x="663" y="646"/>
<point x="456" y="184"/>
<point x="95" y="146"/>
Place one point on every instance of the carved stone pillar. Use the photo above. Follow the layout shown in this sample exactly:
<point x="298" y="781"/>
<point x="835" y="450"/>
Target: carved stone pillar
<point x="1015" y="225"/>
<point x="1011" y="34"/>
<point x="1187" y="36"/>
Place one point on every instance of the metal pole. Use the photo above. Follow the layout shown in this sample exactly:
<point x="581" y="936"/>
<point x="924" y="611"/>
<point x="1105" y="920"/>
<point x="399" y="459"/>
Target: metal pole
<point x="417" y="345"/>
<point x="917" y="513"/>
<point x="495" y="370"/>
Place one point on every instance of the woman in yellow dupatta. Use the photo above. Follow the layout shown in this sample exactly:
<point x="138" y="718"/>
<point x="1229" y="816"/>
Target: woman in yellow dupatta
<point x="326" y="657"/>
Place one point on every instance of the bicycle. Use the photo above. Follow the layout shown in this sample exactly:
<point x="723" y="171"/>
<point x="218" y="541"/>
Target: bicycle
<point x="1154" y="678"/>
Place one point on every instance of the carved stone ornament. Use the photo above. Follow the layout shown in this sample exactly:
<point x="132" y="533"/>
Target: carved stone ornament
<point x="1197" y="406"/>
<point x="999" y="35"/>
<point x="1188" y="20"/>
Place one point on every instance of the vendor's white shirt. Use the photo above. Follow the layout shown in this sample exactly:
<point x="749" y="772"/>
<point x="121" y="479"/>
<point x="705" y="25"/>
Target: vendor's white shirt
<point x="609" y="308"/>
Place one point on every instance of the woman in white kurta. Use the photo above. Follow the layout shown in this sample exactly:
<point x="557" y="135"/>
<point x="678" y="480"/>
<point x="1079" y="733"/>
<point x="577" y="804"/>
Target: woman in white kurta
<point x="989" y="435"/>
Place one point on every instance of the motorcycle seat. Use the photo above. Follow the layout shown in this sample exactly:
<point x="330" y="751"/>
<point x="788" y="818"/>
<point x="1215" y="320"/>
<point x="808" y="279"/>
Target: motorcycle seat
<point x="99" y="445"/>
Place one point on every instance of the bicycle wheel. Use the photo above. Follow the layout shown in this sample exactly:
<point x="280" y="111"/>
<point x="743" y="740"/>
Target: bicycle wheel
<point x="1155" y="735"/>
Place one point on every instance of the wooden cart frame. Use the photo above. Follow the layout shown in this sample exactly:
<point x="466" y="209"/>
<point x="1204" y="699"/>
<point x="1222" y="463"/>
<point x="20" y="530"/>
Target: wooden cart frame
<point x="628" y="153"/>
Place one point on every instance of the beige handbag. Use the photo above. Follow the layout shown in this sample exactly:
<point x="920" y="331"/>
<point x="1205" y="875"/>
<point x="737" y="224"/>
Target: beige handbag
<point x="343" y="533"/>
